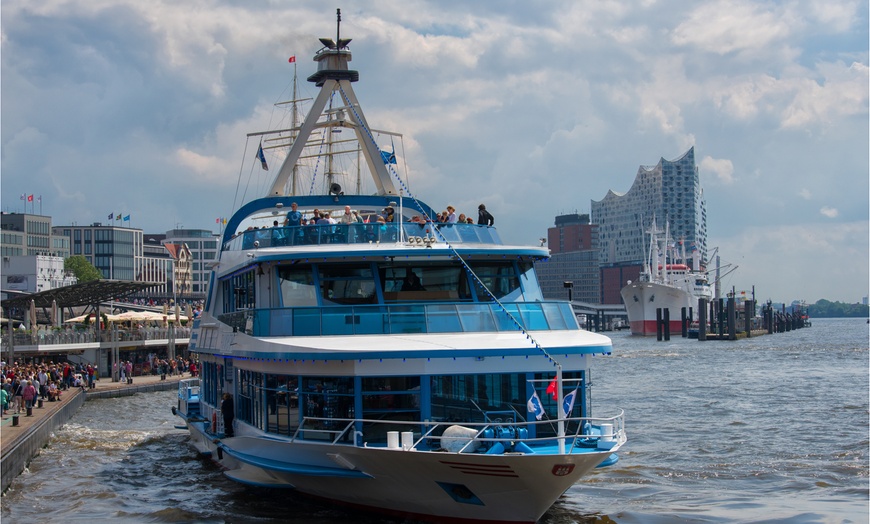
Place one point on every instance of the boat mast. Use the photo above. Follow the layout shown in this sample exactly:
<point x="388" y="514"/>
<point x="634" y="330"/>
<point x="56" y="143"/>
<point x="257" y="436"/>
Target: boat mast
<point x="333" y="75"/>
<point x="294" y="134"/>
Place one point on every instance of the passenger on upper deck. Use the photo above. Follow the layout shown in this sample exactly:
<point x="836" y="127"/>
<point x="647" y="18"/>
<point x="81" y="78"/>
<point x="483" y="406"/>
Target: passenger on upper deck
<point x="451" y="215"/>
<point x="347" y="217"/>
<point x="294" y="217"/>
<point x="483" y="216"/>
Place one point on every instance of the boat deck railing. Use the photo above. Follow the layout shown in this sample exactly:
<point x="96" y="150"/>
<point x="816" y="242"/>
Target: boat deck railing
<point x="360" y="233"/>
<point x="582" y="434"/>
<point x="403" y="318"/>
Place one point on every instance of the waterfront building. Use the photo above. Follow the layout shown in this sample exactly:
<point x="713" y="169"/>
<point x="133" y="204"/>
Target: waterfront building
<point x="25" y="234"/>
<point x="115" y="251"/>
<point x="671" y="192"/>
<point x="32" y="274"/>
<point x="203" y="246"/>
<point x="573" y="243"/>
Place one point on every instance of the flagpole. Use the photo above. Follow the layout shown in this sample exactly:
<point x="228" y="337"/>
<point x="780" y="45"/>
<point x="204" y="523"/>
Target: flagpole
<point x="561" y="420"/>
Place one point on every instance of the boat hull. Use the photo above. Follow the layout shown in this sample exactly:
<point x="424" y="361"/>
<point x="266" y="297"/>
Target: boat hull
<point x="427" y="485"/>
<point x="642" y="299"/>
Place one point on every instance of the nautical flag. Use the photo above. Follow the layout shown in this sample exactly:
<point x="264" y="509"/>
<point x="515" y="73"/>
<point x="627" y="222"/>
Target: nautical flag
<point x="118" y="217"/>
<point x="111" y="215"/>
<point x="30" y="198"/>
<point x="388" y="157"/>
<point x="568" y="403"/>
<point x="127" y="218"/>
<point x="224" y="221"/>
<point x="534" y="406"/>
<point x="551" y="389"/>
<point x="292" y="59"/>
<point x="217" y="221"/>
<point x="262" y="157"/>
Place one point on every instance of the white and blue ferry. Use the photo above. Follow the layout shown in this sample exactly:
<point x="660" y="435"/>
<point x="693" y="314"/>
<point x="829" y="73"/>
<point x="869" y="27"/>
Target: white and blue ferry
<point x="463" y="396"/>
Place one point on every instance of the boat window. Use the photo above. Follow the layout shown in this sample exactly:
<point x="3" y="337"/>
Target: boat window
<point x="499" y="278"/>
<point x="390" y="398"/>
<point x="478" y="397"/>
<point x="423" y="282"/>
<point x="347" y="284"/>
<point x="239" y="292"/>
<point x="529" y="279"/>
<point x="297" y="286"/>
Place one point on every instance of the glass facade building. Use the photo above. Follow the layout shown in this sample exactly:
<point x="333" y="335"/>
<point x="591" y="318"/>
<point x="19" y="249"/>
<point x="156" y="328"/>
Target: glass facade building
<point x="671" y="192"/>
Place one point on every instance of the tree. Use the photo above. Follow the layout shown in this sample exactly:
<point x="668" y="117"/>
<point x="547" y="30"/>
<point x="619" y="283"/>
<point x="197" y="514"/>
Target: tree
<point x="82" y="269"/>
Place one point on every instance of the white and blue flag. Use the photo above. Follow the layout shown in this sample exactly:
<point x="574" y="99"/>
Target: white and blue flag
<point x="568" y="403"/>
<point x="534" y="406"/>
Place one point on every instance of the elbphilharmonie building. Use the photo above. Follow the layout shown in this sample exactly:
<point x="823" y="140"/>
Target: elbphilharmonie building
<point x="671" y="192"/>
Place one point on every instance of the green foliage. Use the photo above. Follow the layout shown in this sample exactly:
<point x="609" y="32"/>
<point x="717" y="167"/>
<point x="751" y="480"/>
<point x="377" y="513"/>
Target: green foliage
<point x="82" y="269"/>
<point x="827" y="309"/>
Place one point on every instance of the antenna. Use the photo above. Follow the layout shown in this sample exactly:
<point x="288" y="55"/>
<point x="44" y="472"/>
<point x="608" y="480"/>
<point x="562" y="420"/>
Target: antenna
<point x="339" y="43"/>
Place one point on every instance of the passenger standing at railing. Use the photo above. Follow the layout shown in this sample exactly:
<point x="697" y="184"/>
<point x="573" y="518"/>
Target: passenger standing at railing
<point x="294" y="217"/>
<point x="484" y="217"/>
<point x="451" y="215"/>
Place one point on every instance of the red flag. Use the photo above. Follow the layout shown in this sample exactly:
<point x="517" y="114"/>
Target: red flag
<point x="217" y="221"/>
<point x="551" y="389"/>
<point x="292" y="59"/>
<point x="30" y="198"/>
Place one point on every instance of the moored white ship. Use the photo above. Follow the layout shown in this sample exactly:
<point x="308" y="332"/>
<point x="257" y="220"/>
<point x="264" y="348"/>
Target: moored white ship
<point x="405" y="366"/>
<point x="664" y="288"/>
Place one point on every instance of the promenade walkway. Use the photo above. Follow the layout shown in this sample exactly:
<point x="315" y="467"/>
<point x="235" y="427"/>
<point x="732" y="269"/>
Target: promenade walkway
<point x="19" y="444"/>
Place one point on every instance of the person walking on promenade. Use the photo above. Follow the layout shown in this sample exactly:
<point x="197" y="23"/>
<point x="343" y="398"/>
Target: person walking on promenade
<point x="4" y="401"/>
<point x="29" y="394"/>
<point x="17" y="392"/>
<point x="228" y="411"/>
<point x="42" y="379"/>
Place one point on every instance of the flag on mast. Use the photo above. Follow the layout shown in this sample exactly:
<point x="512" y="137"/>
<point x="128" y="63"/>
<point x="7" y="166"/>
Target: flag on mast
<point x="262" y="157"/>
<point x="534" y="406"/>
<point x="292" y="59"/>
<point x="568" y="403"/>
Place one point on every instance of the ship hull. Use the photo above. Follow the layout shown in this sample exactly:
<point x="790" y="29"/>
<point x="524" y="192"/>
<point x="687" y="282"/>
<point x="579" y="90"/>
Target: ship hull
<point x="642" y="299"/>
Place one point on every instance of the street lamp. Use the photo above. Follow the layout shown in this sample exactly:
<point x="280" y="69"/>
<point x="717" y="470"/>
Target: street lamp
<point x="569" y="285"/>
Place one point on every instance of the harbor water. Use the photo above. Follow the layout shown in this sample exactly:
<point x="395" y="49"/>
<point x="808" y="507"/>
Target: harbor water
<point x="768" y="429"/>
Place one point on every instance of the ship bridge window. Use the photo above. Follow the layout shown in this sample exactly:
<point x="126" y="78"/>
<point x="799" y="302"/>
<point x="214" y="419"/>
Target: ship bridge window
<point x="297" y="286"/>
<point x="423" y="282"/>
<point x="500" y="279"/>
<point x="347" y="284"/>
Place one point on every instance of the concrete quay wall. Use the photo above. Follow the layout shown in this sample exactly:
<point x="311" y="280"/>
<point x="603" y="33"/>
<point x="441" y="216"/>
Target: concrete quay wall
<point x="28" y="445"/>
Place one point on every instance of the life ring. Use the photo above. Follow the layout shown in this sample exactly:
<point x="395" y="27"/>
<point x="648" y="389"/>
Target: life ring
<point x="214" y="422"/>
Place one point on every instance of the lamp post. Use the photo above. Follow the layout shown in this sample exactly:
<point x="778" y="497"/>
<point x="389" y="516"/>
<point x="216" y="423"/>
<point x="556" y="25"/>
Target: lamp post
<point x="569" y="285"/>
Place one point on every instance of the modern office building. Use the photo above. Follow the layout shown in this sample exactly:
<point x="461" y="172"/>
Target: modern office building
<point x="115" y="251"/>
<point x="25" y="234"/>
<point x="573" y="243"/>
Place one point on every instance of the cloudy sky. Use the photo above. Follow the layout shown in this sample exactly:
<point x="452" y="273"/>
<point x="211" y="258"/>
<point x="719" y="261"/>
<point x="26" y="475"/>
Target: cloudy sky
<point x="535" y="108"/>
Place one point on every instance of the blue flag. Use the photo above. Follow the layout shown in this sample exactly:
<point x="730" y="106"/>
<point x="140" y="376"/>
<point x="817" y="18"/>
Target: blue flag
<point x="127" y="218"/>
<point x="388" y="157"/>
<point x="534" y="406"/>
<point x="262" y="157"/>
<point x="568" y="403"/>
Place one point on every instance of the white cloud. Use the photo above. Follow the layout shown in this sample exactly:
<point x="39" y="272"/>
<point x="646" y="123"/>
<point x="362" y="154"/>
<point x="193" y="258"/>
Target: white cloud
<point x="722" y="168"/>
<point x="830" y="212"/>
<point x="805" y="194"/>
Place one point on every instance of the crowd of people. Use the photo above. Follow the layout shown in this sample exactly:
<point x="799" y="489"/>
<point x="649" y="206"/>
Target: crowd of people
<point x="351" y="216"/>
<point x="24" y="383"/>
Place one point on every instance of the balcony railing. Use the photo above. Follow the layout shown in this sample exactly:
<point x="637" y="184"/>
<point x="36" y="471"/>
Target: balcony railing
<point x="313" y="235"/>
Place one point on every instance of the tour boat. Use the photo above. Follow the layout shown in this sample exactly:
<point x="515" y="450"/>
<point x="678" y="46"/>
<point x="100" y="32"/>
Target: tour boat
<point x="407" y="366"/>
